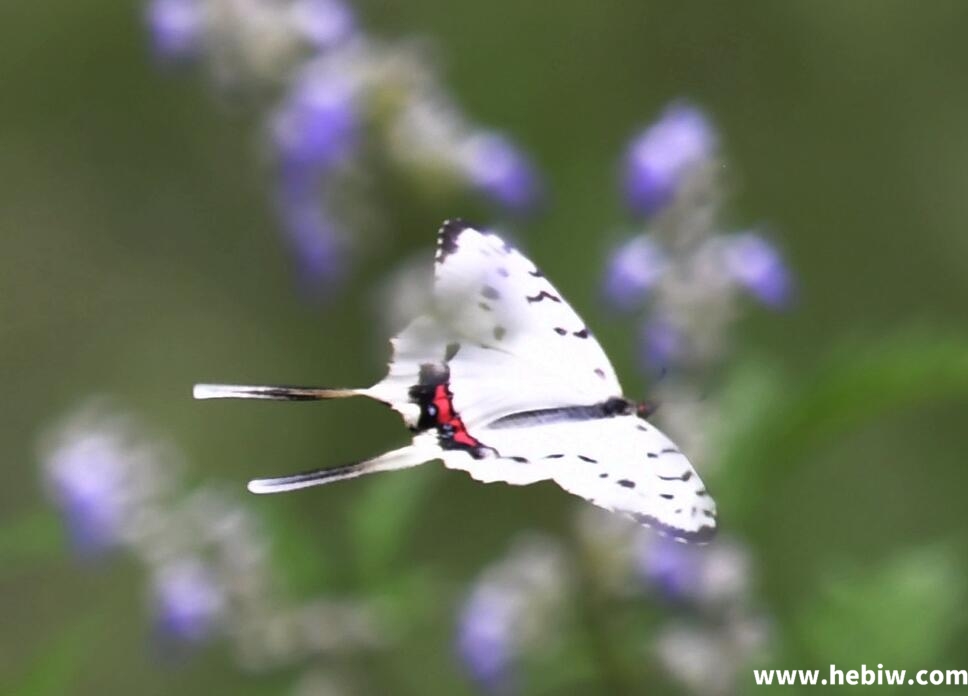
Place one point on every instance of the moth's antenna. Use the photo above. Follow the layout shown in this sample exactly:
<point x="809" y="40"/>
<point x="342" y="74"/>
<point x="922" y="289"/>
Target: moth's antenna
<point x="271" y="393"/>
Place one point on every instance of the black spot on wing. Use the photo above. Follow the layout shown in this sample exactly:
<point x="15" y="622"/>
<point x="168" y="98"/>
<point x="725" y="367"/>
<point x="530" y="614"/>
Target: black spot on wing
<point x="560" y="331"/>
<point x="554" y="456"/>
<point x="581" y="334"/>
<point x="544" y="295"/>
<point x="587" y="459"/>
<point x="519" y="460"/>
<point x="686" y="475"/>
<point x="499" y="332"/>
<point x="600" y="372"/>
<point x="536" y="273"/>
<point x="666" y="496"/>
<point x="604" y="474"/>
<point x="490" y="293"/>
<point x="503" y="272"/>
<point x="451" y="351"/>
<point x="625" y="483"/>
<point x="485" y="306"/>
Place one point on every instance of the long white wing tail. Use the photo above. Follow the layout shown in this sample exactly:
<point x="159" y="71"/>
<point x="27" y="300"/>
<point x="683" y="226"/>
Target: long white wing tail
<point x="272" y="393"/>
<point x="402" y="458"/>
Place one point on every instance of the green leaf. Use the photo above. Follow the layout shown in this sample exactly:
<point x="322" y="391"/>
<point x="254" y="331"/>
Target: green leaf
<point x="55" y="668"/>
<point x="776" y="425"/>
<point x="296" y="552"/>
<point x="383" y="518"/>
<point x="902" y="614"/>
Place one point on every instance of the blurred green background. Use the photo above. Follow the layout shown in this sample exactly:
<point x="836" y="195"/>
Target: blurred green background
<point x="140" y="255"/>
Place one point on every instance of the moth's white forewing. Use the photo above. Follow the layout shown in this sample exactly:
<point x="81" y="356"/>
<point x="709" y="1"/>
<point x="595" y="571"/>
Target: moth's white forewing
<point x="491" y="295"/>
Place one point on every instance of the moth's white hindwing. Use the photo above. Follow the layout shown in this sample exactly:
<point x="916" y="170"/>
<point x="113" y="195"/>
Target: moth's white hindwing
<point x="620" y="463"/>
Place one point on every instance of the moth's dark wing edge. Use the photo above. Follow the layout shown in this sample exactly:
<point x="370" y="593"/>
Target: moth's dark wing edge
<point x="447" y="236"/>
<point x="701" y="536"/>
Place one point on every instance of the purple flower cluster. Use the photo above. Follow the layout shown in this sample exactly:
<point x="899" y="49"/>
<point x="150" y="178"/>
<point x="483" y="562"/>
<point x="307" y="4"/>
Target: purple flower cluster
<point x="486" y="640"/>
<point x="512" y="604"/>
<point x="680" y="267"/>
<point x="705" y="655"/>
<point x="314" y="131"/>
<point x="206" y="558"/>
<point x="338" y="90"/>
<point x="99" y="471"/>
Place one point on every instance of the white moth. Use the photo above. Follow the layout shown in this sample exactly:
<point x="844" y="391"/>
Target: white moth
<point x="504" y="380"/>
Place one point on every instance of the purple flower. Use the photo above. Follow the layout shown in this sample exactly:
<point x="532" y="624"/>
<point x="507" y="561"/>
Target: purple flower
<point x="87" y="477"/>
<point x="176" y="28"/>
<point x="501" y="172"/>
<point x="324" y="23"/>
<point x="717" y="575"/>
<point x="662" y="343"/>
<point x="659" y="158"/>
<point x="670" y="567"/>
<point x="187" y="601"/>
<point x="633" y="269"/>
<point x="757" y="265"/>
<point x="315" y="128"/>
<point x="486" y="637"/>
<point x="312" y="237"/>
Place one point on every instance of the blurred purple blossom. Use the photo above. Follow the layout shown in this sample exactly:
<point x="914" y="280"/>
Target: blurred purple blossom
<point x="176" y="28"/>
<point x="314" y="131"/>
<point x="662" y="155"/>
<point x="718" y="575"/>
<point x="497" y="168"/>
<point x="510" y="610"/>
<point x="187" y="601"/>
<point x="98" y="472"/>
<point x="86" y="479"/>
<point x="313" y="239"/>
<point x="486" y="640"/>
<point x="662" y="343"/>
<point x="669" y="566"/>
<point x="324" y="23"/>
<point x="316" y="125"/>
<point x="758" y="266"/>
<point x="632" y="270"/>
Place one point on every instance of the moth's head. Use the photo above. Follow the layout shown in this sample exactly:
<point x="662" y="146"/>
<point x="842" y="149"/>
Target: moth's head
<point x="645" y="408"/>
